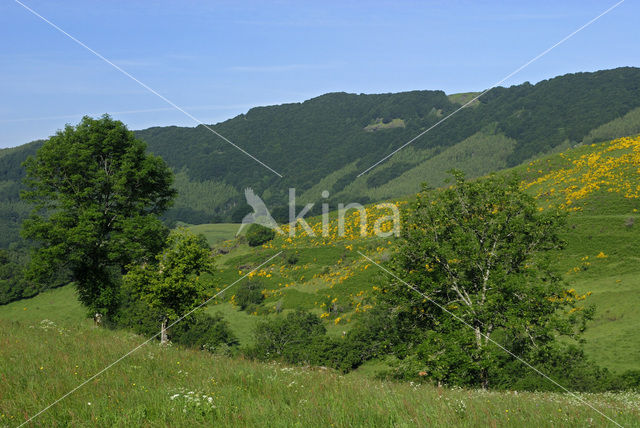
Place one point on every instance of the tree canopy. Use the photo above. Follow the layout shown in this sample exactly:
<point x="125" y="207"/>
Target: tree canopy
<point x="477" y="257"/>
<point x="97" y="195"/>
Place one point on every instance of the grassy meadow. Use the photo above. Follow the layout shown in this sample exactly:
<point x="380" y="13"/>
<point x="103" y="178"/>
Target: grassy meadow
<point x="43" y="359"/>
<point x="216" y="233"/>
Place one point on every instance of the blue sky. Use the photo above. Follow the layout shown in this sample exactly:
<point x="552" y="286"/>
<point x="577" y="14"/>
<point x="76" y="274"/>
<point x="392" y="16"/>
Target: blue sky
<point x="218" y="59"/>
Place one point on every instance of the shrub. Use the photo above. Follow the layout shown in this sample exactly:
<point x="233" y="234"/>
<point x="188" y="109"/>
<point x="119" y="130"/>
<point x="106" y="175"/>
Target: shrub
<point x="300" y="338"/>
<point x="202" y="241"/>
<point x="249" y="295"/>
<point x="287" y="337"/>
<point x="198" y="330"/>
<point x="204" y="331"/>
<point x="258" y="235"/>
<point x="292" y="258"/>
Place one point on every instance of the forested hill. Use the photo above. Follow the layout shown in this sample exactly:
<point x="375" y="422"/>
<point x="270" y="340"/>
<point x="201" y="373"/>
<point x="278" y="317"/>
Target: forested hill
<point x="325" y="142"/>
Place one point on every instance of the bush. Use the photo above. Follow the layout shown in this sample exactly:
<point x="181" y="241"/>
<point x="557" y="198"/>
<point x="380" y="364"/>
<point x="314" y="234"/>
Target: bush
<point x="203" y="242"/>
<point x="630" y="380"/>
<point x="249" y="295"/>
<point x="199" y="330"/>
<point x="292" y="258"/>
<point x="204" y="331"/>
<point x="16" y="284"/>
<point x="287" y="337"/>
<point x="258" y="235"/>
<point x="135" y="315"/>
<point x="300" y="338"/>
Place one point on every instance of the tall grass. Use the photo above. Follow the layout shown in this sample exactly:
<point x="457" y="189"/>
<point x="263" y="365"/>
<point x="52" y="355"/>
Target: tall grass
<point x="41" y="361"/>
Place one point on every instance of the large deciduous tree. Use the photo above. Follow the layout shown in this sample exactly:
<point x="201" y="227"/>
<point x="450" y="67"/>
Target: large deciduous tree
<point x="97" y="196"/>
<point x="480" y="251"/>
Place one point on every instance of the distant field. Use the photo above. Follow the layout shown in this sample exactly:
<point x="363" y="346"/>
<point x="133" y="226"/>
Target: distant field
<point x="216" y="232"/>
<point x="464" y="97"/>
<point x="379" y="124"/>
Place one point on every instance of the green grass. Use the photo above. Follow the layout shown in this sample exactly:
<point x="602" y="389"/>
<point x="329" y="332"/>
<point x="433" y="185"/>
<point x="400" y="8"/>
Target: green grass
<point x="242" y="324"/>
<point x="379" y="125"/>
<point x="612" y="338"/>
<point x="464" y="97"/>
<point x="216" y="232"/>
<point x="42" y="363"/>
<point x="60" y="304"/>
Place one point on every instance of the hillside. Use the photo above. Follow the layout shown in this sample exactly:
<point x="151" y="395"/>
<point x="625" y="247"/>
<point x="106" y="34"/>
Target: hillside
<point x="42" y="359"/>
<point x="325" y="142"/>
<point x="597" y="184"/>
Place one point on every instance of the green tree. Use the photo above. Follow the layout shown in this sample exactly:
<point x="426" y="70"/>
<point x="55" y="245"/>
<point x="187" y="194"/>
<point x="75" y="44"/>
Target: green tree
<point x="249" y="295"/>
<point x="97" y="195"/>
<point x="480" y="250"/>
<point x="288" y="337"/>
<point x="173" y="284"/>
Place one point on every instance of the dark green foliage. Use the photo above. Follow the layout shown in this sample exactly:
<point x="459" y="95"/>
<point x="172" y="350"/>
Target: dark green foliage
<point x="249" y="295"/>
<point x="384" y="175"/>
<point x="202" y="241"/>
<point x="135" y="314"/>
<point x="258" y="235"/>
<point x="566" y="364"/>
<point x="13" y="284"/>
<point x="630" y="380"/>
<point x="199" y="330"/>
<point x="97" y="195"/>
<point x="292" y="258"/>
<point x="203" y="331"/>
<point x="300" y="338"/>
<point x="375" y="334"/>
<point x="287" y="337"/>
<point x="480" y="252"/>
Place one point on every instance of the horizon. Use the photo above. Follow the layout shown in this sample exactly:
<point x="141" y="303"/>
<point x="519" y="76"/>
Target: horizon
<point x="286" y="53"/>
<point x="195" y="125"/>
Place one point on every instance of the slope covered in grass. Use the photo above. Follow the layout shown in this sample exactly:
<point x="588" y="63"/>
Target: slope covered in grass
<point x="217" y="232"/>
<point x="41" y="361"/>
<point x="598" y="186"/>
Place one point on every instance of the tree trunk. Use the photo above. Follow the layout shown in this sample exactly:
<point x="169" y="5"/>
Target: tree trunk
<point x="478" y="337"/>
<point x="163" y="332"/>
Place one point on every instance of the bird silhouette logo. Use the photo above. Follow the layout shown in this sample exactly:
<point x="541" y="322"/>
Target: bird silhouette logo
<point x="260" y="214"/>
